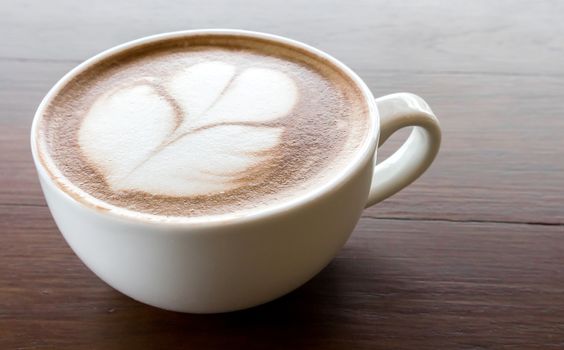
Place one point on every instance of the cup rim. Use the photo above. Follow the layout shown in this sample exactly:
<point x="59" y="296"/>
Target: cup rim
<point x="83" y="199"/>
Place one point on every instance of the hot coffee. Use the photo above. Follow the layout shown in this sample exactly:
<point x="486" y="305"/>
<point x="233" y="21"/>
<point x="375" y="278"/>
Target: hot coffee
<point x="202" y="125"/>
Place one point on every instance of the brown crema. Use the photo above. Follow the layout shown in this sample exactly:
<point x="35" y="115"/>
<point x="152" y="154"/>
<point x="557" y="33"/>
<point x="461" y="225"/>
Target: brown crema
<point x="319" y="135"/>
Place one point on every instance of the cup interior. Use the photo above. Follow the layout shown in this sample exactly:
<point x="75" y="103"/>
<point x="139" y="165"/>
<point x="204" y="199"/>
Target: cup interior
<point x="53" y="177"/>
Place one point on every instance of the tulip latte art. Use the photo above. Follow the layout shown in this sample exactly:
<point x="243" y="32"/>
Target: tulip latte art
<point x="202" y="126"/>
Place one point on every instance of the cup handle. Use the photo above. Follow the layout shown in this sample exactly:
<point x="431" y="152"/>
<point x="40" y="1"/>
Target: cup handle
<point x="415" y="155"/>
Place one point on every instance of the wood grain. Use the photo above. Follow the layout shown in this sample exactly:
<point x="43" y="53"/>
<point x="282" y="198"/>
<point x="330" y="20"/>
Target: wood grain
<point x="429" y="285"/>
<point x="468" y="257"/>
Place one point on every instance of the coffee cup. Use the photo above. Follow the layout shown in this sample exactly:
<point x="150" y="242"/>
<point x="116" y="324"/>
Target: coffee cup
<point x="233" y="262"/>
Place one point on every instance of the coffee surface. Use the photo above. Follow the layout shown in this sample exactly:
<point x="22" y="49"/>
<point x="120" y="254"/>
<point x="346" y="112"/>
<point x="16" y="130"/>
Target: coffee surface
<point x="203" y="126"/>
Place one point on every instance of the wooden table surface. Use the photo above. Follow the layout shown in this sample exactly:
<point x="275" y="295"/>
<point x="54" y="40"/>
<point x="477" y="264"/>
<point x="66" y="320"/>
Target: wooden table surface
<point x="471" y="256"/>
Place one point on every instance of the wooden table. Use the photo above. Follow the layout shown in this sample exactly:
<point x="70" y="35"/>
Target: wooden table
<point x="471" y="256"/>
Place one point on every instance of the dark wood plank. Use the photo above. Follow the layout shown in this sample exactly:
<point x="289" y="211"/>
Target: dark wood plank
<point x="502" y="153"/>
<point x="396" y="284"/>
<point x="501" y="157"/>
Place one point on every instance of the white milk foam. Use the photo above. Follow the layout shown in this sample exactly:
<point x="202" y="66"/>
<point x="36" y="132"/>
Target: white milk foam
<point x="192" y="133"/>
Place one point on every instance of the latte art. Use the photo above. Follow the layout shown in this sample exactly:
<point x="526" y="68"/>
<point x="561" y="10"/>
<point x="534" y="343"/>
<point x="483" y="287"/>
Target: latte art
<point x="201" y="126"/>
<point x="193" y="133"/>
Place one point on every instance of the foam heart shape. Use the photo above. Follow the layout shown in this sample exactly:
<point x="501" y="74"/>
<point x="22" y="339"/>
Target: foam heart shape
<point x="195" y="133"/>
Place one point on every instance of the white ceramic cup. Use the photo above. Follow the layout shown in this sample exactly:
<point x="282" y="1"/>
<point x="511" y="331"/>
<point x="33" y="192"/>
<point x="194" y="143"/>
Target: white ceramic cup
<point x="230" y="262"/>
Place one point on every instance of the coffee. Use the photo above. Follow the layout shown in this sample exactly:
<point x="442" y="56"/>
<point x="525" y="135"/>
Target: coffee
<point x="202" y="125"/>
